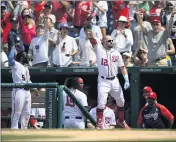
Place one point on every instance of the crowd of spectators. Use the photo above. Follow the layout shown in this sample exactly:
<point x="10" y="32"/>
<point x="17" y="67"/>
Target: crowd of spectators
<point x="56" y="33"/>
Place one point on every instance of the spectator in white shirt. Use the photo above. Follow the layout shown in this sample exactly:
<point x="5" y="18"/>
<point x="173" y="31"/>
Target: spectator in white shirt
<point x="87" y="54"/>
<point x="66" y="47"/>
<point x="101" y="10"/>
<point x="122" y="37"/>
<point x="38" y="49"/>
<point x="52" y="38"/>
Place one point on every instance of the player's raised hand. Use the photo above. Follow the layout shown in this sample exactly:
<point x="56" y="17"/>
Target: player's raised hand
<point x="126" y="85"/>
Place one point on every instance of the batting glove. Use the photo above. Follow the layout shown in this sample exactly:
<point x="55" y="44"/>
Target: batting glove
<point x="126" y="85"/>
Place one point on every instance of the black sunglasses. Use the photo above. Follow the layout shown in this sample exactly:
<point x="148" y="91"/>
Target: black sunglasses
<point x="109" y="40"/>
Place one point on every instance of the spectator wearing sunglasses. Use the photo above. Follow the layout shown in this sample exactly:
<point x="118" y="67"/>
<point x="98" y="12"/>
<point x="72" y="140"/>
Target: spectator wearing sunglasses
<point x="127" y="59"/>
<point x="122" y="37"/>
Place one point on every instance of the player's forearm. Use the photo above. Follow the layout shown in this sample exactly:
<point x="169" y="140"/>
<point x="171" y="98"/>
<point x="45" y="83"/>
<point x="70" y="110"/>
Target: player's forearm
<point x="74" y="52"/>
<point x="11" y="57"/>
<point x="124" y="73"/>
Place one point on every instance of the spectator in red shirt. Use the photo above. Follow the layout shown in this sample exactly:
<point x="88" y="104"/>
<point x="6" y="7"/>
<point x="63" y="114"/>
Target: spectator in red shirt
<point x="151" y="115"/>
<point x="61" y="11"/>
<point x="83" y="9"/>
<point x="5" y="25"/>
<point x="38" y="8"/>
<point x="27" y="28"/>
<point x="120" y="8"/>
<point x="155" y="11"/>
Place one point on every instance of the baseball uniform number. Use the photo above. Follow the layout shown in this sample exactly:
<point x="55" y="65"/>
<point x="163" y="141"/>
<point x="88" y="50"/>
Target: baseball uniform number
<point x="23" y="77"/>
<point x="104" y="62"/>
<point x="69" y="102"/>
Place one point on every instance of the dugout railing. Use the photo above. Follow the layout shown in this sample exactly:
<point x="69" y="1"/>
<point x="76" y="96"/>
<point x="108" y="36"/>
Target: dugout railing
<point x="53" y="102"/>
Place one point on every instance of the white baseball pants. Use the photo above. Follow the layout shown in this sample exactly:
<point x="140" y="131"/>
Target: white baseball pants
<point x="111" y="87"/>
<point x="21" y="108"/>
<point x="72" y="122"/>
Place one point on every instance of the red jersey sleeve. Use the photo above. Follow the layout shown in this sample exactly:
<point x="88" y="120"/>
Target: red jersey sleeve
<point x="140" y="118"/>
<point x="165" y="112"/>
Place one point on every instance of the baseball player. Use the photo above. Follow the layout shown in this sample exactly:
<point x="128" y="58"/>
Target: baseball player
<point x="109" y="120"/>
<point x="151" y="115"/>
<point x="108" y="61"/>
<point x="146" y="90"/>
<point x="73" y="117"/>
<point x="21" y="97"/>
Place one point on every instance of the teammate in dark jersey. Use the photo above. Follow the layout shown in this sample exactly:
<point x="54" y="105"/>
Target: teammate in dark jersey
<point x="151" y="115"/>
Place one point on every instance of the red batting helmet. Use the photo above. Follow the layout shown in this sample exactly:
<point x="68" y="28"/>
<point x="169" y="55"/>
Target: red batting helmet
<point x="152" y="95"/>
<point x="147" y="89"/>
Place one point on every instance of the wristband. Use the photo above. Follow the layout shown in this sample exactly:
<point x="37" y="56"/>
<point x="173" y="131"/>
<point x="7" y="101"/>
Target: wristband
<point x="93" y="41"/>
<point x="126" y="77"/>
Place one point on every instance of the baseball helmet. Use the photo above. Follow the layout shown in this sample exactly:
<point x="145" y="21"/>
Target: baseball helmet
<point x="152" y="95"/>
<point x="147" y="89"/>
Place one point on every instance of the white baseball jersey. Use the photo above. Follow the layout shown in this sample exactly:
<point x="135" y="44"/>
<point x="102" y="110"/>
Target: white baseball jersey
<point x="20" y="73"/>
<point x="87" y="52"/>
<point x="66" y="46"/>
<point x="70" y="108"/>
<point x="108" y="61"/>
<point x="108" y="117"/>
<point x="4" y="60"/>
<point x="39" y="47"/>
<point x="21" y="99"/>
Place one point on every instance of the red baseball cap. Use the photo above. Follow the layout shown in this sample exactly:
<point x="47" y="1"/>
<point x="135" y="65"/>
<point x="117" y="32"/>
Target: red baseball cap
<point x="156" y="21"/>
<point x="80" y="80"/>
<point x="147" y="89"/>
<point x="152" y="95"/>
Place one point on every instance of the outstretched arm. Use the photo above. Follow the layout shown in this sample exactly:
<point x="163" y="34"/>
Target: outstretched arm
<point x="11" y="57"/>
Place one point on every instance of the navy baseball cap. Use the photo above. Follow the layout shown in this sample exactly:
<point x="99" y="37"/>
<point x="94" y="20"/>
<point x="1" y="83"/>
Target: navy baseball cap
<point x="64" y="25"/>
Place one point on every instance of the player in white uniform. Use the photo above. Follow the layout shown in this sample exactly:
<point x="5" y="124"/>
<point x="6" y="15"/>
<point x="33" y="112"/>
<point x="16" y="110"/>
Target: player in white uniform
<point x="73" y="117"/>
<point x="109" y="60"/>
<point x="109" y="120"/>
<point x="21" y="97"/>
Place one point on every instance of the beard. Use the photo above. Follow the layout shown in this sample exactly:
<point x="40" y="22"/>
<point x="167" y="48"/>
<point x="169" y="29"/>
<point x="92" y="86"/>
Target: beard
<point x="110" y="46"/>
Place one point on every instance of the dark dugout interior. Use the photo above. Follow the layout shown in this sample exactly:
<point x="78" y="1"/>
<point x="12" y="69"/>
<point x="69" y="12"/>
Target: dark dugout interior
<point x="165" y="87"/>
